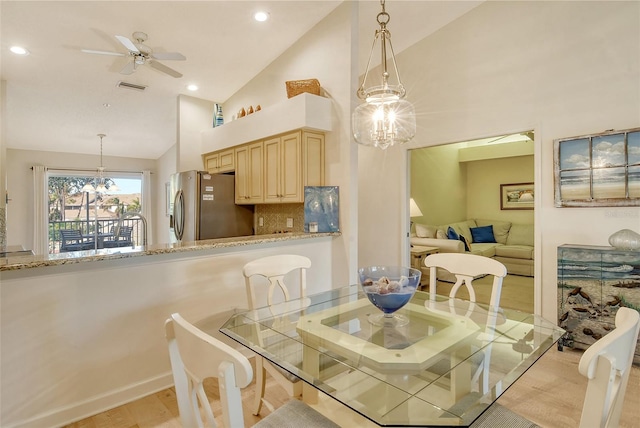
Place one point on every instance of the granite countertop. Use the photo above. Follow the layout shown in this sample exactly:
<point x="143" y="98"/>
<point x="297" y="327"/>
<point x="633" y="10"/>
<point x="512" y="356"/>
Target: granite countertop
<point x="27" y="262"/>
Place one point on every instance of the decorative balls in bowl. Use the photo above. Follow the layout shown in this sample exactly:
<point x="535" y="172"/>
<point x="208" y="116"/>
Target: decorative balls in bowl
<point x="389" y="288"/>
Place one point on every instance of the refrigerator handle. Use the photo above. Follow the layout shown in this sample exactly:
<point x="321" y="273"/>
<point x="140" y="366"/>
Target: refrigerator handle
<point x="178" y="215"/>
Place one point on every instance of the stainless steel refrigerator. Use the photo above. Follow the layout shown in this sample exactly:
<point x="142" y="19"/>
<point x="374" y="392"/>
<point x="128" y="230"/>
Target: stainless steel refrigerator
<point x="202" y="206"/>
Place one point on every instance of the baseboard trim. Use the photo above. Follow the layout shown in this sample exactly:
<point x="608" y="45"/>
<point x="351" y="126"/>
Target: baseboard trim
<point x="94" y="405"/>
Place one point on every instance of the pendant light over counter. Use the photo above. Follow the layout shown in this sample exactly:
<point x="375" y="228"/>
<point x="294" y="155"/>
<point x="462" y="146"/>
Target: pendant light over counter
<point x="385" y="118"/>
<point x="99" y="182"/>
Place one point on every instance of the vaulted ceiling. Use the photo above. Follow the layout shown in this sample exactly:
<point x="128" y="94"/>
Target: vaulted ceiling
<point x="59" y="98"/>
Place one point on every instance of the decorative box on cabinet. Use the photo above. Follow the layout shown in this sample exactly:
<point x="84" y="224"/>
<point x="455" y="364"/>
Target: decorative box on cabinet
<point x="593" y="283"/>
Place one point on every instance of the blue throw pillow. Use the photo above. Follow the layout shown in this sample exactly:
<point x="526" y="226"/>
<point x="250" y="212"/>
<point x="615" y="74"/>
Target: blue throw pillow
<point x="483" y="234"/>
<point x="452" y="234"/>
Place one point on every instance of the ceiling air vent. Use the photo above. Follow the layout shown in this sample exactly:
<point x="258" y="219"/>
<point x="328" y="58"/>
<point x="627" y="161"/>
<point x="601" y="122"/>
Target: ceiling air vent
<point x="133" y="86"/>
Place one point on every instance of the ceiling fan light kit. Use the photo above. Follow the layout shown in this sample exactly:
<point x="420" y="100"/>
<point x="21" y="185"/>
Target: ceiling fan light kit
<point x="142" y="54"/>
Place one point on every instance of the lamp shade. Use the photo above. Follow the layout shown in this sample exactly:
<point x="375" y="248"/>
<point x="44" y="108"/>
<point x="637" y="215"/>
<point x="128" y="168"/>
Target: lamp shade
<point x="414" y="210"/>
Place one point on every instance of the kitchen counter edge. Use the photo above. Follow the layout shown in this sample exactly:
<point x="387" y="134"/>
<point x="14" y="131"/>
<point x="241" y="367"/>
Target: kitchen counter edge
<point x="28" y="262"/>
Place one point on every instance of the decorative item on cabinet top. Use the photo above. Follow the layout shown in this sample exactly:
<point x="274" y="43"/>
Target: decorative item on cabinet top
<point x="297" y="87"/>
<point x="305" y="111"/>
<point x="625" y="239"/>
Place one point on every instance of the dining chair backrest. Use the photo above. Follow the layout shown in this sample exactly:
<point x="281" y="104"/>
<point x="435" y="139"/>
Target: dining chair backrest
<point x="196" y="356"/>
<point x="466" y="267"/>
<point x="274" y="269"/>
<point x="607" y="365"/>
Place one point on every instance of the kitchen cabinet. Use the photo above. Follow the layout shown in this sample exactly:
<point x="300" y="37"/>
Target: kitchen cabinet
<point x="283" y="169"/>
<point x="292" y="161"/>
<point x="221" y="161"/>
<point x="249" y="173"/>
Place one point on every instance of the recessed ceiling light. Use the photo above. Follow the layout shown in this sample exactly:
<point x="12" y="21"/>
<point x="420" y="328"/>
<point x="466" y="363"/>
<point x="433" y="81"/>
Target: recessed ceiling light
<point x="19" y="50"/>
<point x="192" y="87"/>
<point x="106" y="105"/>
<point x="261" y="16"/>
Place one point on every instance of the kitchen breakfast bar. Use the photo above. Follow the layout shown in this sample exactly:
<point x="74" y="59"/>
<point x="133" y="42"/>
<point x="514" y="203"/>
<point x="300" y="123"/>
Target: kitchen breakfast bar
<point x="83" y="332"/>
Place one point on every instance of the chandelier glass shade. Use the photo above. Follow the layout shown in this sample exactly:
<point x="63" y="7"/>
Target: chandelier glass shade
<point x="385" y="118"/>
<point x="99" y="182"/>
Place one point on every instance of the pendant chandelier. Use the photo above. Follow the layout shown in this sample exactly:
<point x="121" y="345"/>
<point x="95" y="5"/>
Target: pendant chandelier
<point x="99" y="183"/>
<point x="385" y="118"/>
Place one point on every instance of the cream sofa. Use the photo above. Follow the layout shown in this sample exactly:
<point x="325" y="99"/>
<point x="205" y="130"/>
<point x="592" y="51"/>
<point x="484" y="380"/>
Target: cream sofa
<point x="513" y="244"/>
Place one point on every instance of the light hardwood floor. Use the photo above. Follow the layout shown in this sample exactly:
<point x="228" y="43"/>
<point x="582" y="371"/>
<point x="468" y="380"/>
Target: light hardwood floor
<point x="550" y="394"/>
<point x="517" y="291"/>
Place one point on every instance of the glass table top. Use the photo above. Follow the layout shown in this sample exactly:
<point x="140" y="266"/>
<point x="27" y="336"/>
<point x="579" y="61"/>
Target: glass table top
<point x="444" y="368"/>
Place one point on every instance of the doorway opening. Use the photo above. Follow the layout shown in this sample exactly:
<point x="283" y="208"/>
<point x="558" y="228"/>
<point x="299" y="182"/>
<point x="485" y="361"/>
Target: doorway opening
<point x="472" y="186"/>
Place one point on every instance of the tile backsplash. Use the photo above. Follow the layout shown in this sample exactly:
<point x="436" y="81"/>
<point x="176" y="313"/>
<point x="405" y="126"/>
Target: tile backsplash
<point x="275" y="218"/>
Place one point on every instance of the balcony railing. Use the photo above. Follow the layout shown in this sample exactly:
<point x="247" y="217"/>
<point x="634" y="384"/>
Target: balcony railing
<point x="89" y="228"/>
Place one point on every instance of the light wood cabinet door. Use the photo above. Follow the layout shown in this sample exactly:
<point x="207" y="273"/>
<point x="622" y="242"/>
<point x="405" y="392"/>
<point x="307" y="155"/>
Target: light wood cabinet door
<point x="283" y="169"/>
<point x="226" y="161"/>
<point x="222" y="161"/>
<point x="291" y="188"/>
<point x="242" y="174"/>
<point x="312" y="159"/>
<point x="211" y="162"/>
<point x="255" y="167"/>
<point x="272" y="170"/>
<point x="249" y="171"/>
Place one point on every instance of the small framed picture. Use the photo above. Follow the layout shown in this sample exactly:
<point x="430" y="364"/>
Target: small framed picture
<point x="516" y="196"/>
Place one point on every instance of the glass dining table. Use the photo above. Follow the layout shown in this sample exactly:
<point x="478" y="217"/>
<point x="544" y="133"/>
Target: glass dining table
<point x="444" y="368"/>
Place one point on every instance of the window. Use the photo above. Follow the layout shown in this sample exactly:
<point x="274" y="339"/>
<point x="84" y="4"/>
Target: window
<point x="598" y="170"/>
<point x="92" y="216"/>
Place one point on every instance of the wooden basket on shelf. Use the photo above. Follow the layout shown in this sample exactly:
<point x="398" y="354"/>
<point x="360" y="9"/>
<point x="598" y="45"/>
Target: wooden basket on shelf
<point x="296" y="87"/>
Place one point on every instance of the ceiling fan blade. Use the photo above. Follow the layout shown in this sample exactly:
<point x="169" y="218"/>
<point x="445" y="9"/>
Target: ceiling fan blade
<point x="174" y="56"/>
<point x="129" y="68"/>
<point x="128" y="44"/>
<point x="163" y="68"/>
<point x="91" y="51"/>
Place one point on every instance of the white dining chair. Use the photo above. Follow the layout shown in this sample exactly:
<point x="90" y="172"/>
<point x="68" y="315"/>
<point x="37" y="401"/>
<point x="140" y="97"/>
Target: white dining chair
<point x="271" y="271"/>
<point x="466" y="267"/>
<point x="607" y="365"/>
<point x="196" y="356"/>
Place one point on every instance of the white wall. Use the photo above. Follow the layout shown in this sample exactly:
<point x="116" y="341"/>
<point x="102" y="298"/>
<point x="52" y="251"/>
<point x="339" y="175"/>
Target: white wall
<point x="194" y="115"/>
<point x="484" y="178"/>
<point x="324" y="53"/>
<point x="3" y="170"/>
<point x="559" y="68"/>
<point x="438" y="184"/>
<point x="165" y="166"/>
<point x="20" y="184"/>
<point x="80" y="339"/>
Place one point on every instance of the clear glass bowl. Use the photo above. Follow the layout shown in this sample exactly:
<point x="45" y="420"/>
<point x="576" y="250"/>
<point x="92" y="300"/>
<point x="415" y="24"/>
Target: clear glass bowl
<point x="389" y="288"/>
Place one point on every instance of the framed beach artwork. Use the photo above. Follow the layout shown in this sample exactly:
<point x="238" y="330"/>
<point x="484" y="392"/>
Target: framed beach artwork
<point x="322" y="209"/>
<point x="598" y="170"/>
<point x="516" y="196"/>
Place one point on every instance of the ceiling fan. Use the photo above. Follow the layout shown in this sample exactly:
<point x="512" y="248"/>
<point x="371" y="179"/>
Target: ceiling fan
<point x="142" y="54"/>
